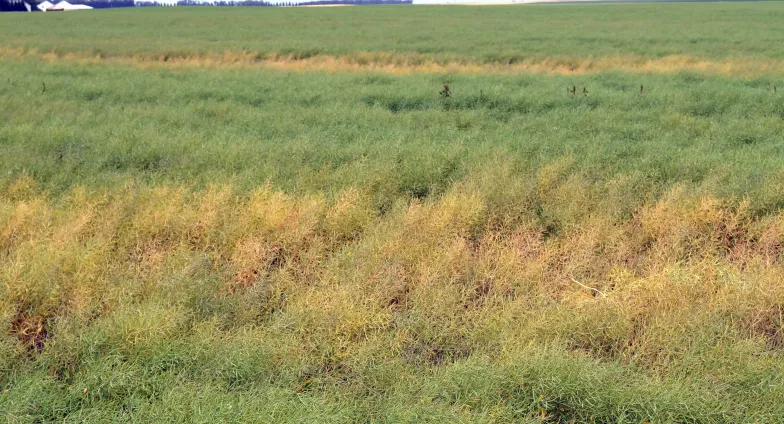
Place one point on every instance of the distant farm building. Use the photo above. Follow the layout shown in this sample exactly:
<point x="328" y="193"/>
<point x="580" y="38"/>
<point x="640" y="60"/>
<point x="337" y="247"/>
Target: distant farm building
<point x="62" y="6"/>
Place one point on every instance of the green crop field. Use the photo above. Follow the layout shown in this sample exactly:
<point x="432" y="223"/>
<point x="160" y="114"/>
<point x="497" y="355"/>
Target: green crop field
<point x="277" y="215"/>
<point x="713" y="31"/>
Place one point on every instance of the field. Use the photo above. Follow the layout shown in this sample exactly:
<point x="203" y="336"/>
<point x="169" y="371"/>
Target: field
<point x="273" y="215"/>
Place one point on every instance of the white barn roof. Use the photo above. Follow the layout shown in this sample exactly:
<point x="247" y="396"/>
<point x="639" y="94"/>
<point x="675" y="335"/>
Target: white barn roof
<point x="64" y="5"/>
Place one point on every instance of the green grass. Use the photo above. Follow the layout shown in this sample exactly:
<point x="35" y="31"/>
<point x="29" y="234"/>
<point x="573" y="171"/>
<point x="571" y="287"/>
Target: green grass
<point x="483" y="34"/>
<point x="197" y="242"/>
<point x="392" y="136"/>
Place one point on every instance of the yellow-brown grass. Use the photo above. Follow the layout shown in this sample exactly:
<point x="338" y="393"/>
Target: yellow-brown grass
<point x="410" y="63"/>
<point x="336" y="276"/>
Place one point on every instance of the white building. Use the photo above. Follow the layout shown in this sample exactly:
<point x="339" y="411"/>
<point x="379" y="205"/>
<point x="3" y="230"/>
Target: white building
<point x="65" y="6"/>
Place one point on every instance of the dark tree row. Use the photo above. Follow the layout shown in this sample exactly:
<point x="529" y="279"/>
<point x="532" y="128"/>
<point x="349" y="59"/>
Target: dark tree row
<point x="104" y="4"/>
<point x="14" y="6"/>
<point x="224" y="3"/>
<point x="19" y="5"/>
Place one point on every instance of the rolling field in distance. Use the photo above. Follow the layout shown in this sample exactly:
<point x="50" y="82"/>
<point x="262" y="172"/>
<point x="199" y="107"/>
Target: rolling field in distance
<point x="272" y="215"/>
<point x="562" y="37"/>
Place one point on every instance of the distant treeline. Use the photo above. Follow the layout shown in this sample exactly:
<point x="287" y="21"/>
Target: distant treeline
<point x="19" y="5"/>
<point x="221" y="3"/>
<point x="102" y="4"/>
<point x="12" y="6"/>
